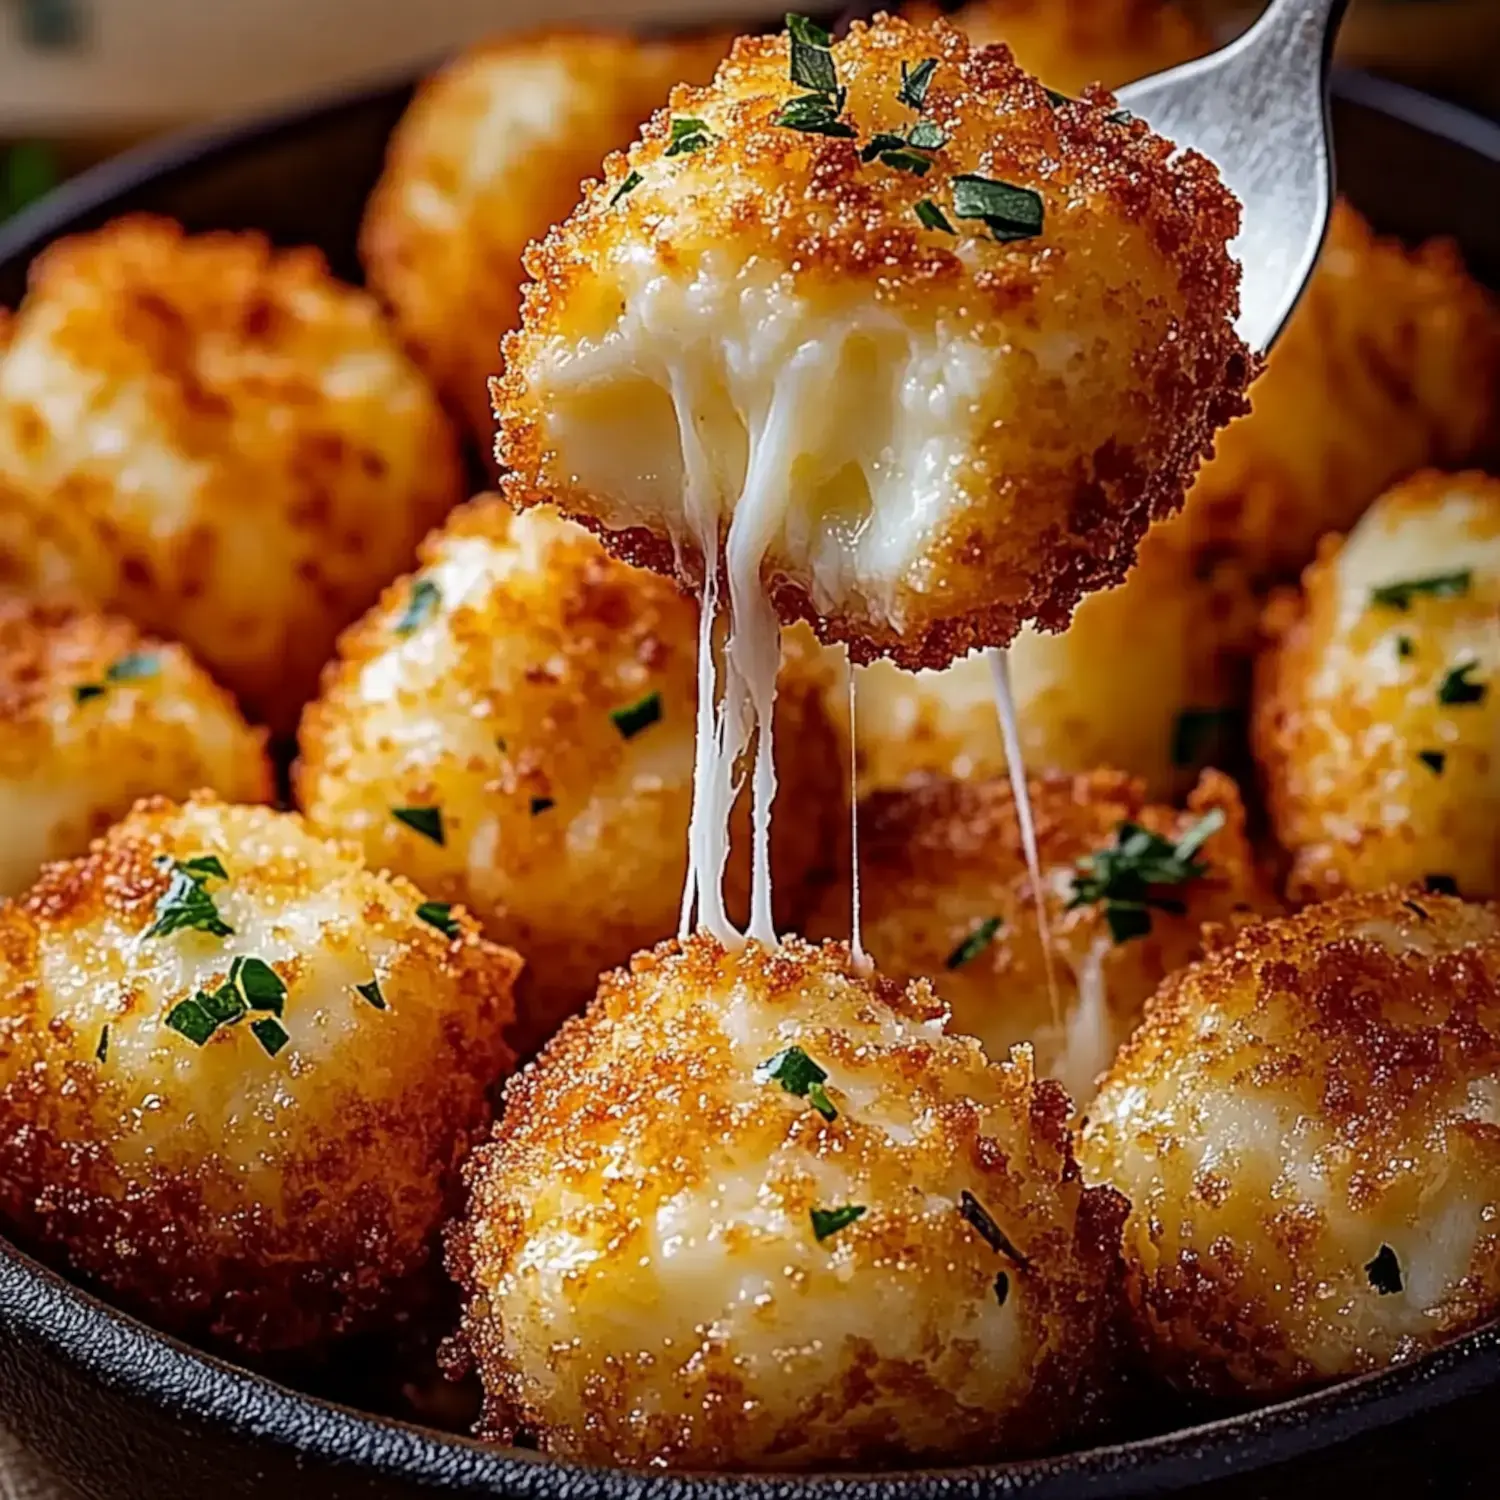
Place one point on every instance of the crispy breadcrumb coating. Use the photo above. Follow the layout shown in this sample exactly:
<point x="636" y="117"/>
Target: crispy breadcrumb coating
<point x="649" y="1278"/>
<point x="543" y="707"/>
<point x="218" y="440"/>
<point x="488" y="157"/>
<point x="945" y="895"/>
<point x="282" y="1181"/>
<point x="1377" y="709"/>
<point x="944" y="436"/>
<point x="93" y="716"/>
<point x="1308" y="1127"/>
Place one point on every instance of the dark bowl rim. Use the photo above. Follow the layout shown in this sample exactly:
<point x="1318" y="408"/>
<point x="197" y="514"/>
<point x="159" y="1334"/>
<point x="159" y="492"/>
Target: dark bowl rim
<point x="96" y="1339"/>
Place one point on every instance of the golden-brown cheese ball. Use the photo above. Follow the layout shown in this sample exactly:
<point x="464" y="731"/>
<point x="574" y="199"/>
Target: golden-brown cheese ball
<point x="218" y="440"/>
<point x="488" y="157"/>
<point x="945" y="895"/>
<point x="758" y="1211"/>
<point x="1308" y="1127"/>
<point x="1377" y="703"/>
<point x="513" y="728"/>
<point x="1148" y="678"/>
<point x="939" y="392"/>
<point x="238" y="1072"/>
<point x="93" y="716"/>
<point x="1070" y="44"/>
<point x="1390" y="363"/>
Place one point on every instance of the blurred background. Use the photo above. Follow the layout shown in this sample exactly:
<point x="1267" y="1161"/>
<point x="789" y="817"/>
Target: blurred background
<point x="81" y="79"/>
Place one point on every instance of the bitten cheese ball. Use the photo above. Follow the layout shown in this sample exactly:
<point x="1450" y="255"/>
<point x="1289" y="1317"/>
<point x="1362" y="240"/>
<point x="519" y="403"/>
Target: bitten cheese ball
<point x="1377" y="705"/>
<point x="1308" y="1128"/>
<point x="218" y="440"/>
<point x="1148" y="678"/>
<point x="945" y="895"/>
<point x="238" y="1072"/>
<point x="93" y="716"/>
<point x="1390" y="363"/>
<point x="757" y="1211"/>
<point x="934" y="394"/>
<point x="513" y="728"/>
<point x="488" y="157"/>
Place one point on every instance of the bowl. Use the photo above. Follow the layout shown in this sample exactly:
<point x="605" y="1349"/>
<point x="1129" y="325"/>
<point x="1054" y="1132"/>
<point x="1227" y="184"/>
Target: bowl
<point x="126" y="1413"/>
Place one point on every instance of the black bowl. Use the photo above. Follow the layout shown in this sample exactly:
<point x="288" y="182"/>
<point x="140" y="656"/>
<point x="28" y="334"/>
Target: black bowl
<point x="128" y="1414"/>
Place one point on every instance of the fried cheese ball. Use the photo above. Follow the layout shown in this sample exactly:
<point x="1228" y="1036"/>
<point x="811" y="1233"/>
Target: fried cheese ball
<point x="218" y="440"/>
<point x="513" y="728"/>
<point x="945" y="895"/>
<point x="1390" y="363"/>
<point x="1148" y="678"/>
<point x="1070" y="44"/>
<point x="488" y="157"/>
<point x="757" y="1211"/>
<point x="1377" y="703"/>
<point x="1308" y="1127"/>
<point x="934" y="394"/>
<point x="93" y="716"/>
<point x="238" y="1072"/>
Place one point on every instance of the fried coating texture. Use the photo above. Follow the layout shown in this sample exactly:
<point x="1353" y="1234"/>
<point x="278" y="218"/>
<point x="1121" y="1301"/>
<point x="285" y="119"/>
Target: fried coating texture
<point x="942" y="860"/>
<point x="1390" y="363"/>
<point x="488" y="157"/>
<point x="645" y="1283"/>
<point x="267" y="1196"/>
<point x="1070" y="44"/>
<point x="507" y="708"/>
<point x="1308" y="1127"/>
<point x="1149" y="678"/>
<point x="93" y="716"/>
<point x="940" y="436"/>
<point x="1377" y="712"/>
<point x="218" y="440"/>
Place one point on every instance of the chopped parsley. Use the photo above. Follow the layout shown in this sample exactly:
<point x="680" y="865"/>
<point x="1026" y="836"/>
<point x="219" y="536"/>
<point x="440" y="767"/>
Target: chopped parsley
<point x="1455" y="690"/>
<point x="629" y="185"/>
<point x="977" y="1215"/>
<point x="812" y="57"/>
<point x="271" y="1034"/>
<point x="371" y="992"/>
<point x="915" y="83"/>
<point x="1421" y="911"/>
<point x="1405" y="646"/>
<point x="541" y="805"/>
<point x="222" y="1006"/>
<point x="932" y="216"/>
<point x="253" y="985"/>
<point x="688" y="135"/>
<point x="185" y="904"/>
<point x="975" y="944"/>
<point x="1441" y="885"/>
<point x="188" y="1018"/>
<point x="439" y="914"/>
<point x="798" y="1074"/>
<point x="828" y="1221"/>
<point x="1007" y="211"/>
<point x="83" y="691"/>
<point x="1127" y="877"/>
<point x="1119" y="117"/>
<point x="926" y="136"/>
<point x="1436" y="585"/>
<point x="1384" y="1272"/>
<point x="1002" y="1287"/>
<point x="635" y="717"/>
<point x="133" y="667"/>
<point x="1056" y="99"/>
<point x="907" y="161"/>
<point x="101" y="1052"/>
<point x="260" y="985"/>
<point x="421" y="604"/>
<point x="1434" y="760"/>
<point x="815" y="114"/>
<point x="428" y="821"/>
<point x="1198" y="731"/>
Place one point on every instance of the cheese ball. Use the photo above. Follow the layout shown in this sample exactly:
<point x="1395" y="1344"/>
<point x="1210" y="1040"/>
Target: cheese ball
<point x="218" y="440"/>
<point x="757" y="1211"/>
<point x="1308" y="1128"/>
<point x="93" y="716"/>
<point x="513" y="728"/>
<point x="488" y="157"/>
<point x="238" y="1072"/>
<point x="933" y="395"/>
<point x="1149" y="678"/>
<point x="1070" y="44"/>
<point x="1377" y="703"/>
<point x="1390" y="363"/>
<point x="945" y="896"/>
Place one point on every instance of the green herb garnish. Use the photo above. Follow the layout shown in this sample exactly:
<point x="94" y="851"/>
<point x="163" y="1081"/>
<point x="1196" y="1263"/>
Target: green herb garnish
<point x="371" y="992"/>
<point x="933" y="217"/>
<point x="1436" y="585"/>
<point x="1002" y="1287"/>
<point x="629" y="185"/>
<point x="915" y="83"/>
<point x="101" y="1052"/>
<point x="827" y="1221"/>
<point x="1456" y="689"/>
<point x="421" y="605"/>
<point x="1197" y="730"/>
<point x="926" y="136"/>
<point x="133" y="667"/>
<point x="1434" y="760"/>
<point x="86" y="690"/>
<point x="635" y="717"/>
<point x="1404" y="646"/>
<point x="439" y="914"/>
<point x="975" y="944"/>
<point x="812" y="59"/>
<point x="1009" y="212"/>
<point x="1421" y="911"/>
<point x="907" y="161"/>
<point x="186" y="904"/>
<point x="271" y="1034"/>
<point x="428" y="821"/>
<point x="188" y="1018"/>
<point x="260" y="985"/>
<point x="1058" y="100"/>
<point x="541" y="805"/>
<point x="688" y="135"/>
<point x="988" y="1230"/>
<point x="798" y="1074"/>
<point x="222" y="1006"/>
<point x="814" y="114"/>
<point x="1384" y="1272"/>
<point x="1441" y="885"/>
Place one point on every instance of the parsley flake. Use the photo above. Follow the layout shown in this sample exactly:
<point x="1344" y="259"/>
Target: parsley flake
<point x="260" y="985"/>
<point x="1434" y="760"/>
<point x="371" y="992"/>
<point x="421" y="604"/>
<point x="439" y="914"/>
<point x="222" y="1006"/>
<point x="185" y="904"/>
<point x="975" y="944"/>
<point x="1421" y="911"/>
<point x="1056" y="99"/>
<point x="1384" y="1272"/>
<point x="428" y="821"/>
<point x="799" y="1075"/>
<point x="635" y="717"/>
<point x="188" y="1018"/>
<point x="812" y="59"/>
<point x="688" y="135"/>
<point x="83" y="691"/>
<point x="933" y="217"/>
<point x="541" y="805"/>
<point x="977" y="1215"/>
<point x="1436" y="585"/>
<point x="815" y="114"/>
<point x="133" y="667"/>
<point x="828" y="1221"/>
<point x="629" y="185"/>
<point x="1002" y="1287"/>
<point x="1009" y="212"/>
<point x="1455" y="690"/>
<point x="915" y="83"/>
<point x="271" y="1034"/>
<point x="926" y="136"/>
<point x="101" y="1052"/>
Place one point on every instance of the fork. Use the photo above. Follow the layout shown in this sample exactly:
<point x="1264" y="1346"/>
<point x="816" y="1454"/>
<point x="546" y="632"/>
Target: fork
<point x="1258" y="109"/>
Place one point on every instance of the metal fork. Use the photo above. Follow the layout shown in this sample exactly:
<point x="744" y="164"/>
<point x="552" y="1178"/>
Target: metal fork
<point x="1258" y="109"/>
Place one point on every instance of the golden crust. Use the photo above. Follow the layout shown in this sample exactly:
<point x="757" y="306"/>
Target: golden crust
<point x="488" y="156"/>
<point x="939" y="858"/>
<point x="94" y="715"/>
<point x="1390" y="363"/>
<point x="644" y="1284"/>
<point x="1320" y="1094"/>
<point x="1134" y="254"/>
<point x="1348" y="700"/>
<point x="267" y="1202"/>
<point x="218" y="440"/>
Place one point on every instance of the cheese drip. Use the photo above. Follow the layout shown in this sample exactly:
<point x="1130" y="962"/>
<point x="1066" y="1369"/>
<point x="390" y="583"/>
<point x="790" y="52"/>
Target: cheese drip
<point x="856" y="941"/>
